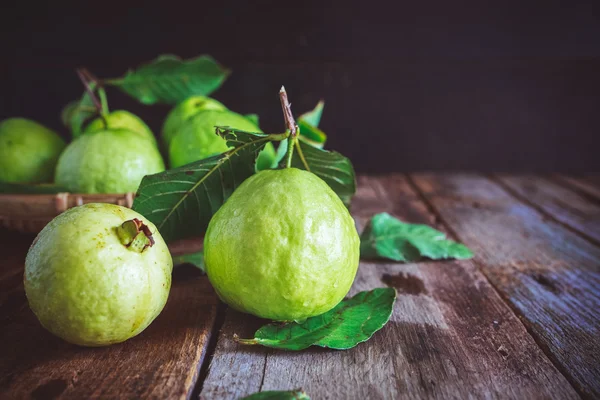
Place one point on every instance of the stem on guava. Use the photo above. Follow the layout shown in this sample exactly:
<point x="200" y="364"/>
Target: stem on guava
<point x="135" y="235"/>
<point x="103" y="102"/>
<point x="101" y="105"/>
<point x="290" y="125"/>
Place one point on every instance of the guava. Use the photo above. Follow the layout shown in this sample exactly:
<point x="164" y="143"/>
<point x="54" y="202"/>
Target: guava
<point x="28" y="151"/>
<point x="184" y="111"/>
<point x="107" y="161"/>
<point x="197" y="139"/>
<point x="282" y="247"/>
<point x="121" y="119"/>
<point x="98" y="274"/>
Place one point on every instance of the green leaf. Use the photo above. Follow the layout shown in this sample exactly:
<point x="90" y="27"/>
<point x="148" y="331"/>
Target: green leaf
<point x="278" y="395"/>
<point x="311" y="134"/>
<point x="335" y="169"/>
<point x="195" y="259"/>
<point x="75" y="114"/>
<point x="170" y="80"/>
<point x="313" y="117"/>
<point x="21" y="188"/>
<point x="351" y="322"/>
<point x="386" y="237"/>
<point x="253" y="118"/>
<point x="181" y="201"/>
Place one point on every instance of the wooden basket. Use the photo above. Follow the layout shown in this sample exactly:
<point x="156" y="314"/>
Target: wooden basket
<point x="29" y="213"/>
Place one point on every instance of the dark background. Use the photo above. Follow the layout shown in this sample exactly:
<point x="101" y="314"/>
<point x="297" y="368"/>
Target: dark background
<point x="430" y="86"/>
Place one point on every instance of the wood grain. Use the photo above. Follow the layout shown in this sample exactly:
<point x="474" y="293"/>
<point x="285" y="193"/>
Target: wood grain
<point x="549" y="274"/>
<point x="162" y="362"/>
<point x="589" y="185"/>
<point x="451" y="335"/>
<point x="558" y="202"/>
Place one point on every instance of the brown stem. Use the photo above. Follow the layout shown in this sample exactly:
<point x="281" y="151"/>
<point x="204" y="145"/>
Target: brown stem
<point x="84" y="77"/>
<point x="287" y="112"/>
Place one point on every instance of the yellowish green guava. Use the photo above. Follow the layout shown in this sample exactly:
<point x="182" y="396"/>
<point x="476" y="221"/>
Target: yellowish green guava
<point x="121" y="119"/>
<point x="282" y="247"/>
<point x="92" y="277"/>
<point x="107" y="161"/>
<point x="184" y="111"/>
<point x="197" y="139"/>
<point x="28" y="151"/>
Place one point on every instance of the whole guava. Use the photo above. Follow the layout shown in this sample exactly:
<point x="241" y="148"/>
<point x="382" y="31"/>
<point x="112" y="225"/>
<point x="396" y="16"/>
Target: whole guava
<point x="121" y="119"/>
<point x="282" y="247"/>
<point x="197" y="139"/>
<point x="28" y="151"/>
<point x="98" y="274"/>
<point x="184" y="111"/>
<point x="107" y="161"/>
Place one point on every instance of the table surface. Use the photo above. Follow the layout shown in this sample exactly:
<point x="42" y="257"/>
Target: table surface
<point x="520" y="320"/>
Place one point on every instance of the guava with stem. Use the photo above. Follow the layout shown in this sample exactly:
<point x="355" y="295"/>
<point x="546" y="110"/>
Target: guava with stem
<point x="121" y="119"/>
<point x="28" y="151"/>
<point x="98" y="274"/>
<point x="283" y="246"/>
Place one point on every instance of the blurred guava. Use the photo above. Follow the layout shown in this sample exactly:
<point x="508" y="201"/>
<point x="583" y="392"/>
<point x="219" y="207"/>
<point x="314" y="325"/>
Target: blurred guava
<point x="121" y="119"/>
<point x="282" y="247"/>
<point x="28" y="151"/>
<point x="197" y="138"/>
<point x="98" y="274"/>
<point x="107" y="161"/>
<point x="184" y="111"/>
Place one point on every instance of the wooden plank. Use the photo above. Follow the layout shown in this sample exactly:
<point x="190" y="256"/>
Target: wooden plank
<point x="450" y="336"/>
<point x="161" y="362"/>
<point x="589" y="185"/>
<point x="557" y="201"/>
<point x="549" y="274"/>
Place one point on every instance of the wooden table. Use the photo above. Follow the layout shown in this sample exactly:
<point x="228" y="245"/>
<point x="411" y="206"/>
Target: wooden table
<point x="520" y="320"/>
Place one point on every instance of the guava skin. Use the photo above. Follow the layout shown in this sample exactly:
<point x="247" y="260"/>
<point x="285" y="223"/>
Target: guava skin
<point x="184" y="111"/>
<point x="108" y="161"/>
<point x="121" y="119"/>
<point x="282" y="247"/>
<point x="197" y="138"/>
<point x="86" y="287"/>
<point x="28" y="151"/>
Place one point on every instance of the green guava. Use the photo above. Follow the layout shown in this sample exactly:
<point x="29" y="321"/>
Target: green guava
<point x="197" y="138"/>
<point x="121" y="119"/>
<point x="282" y="247"/>
<point x="98" y="274"/>
<point x="184" y="111"/>
<point x="28" y="151"/>
<point x="108" y="161"/>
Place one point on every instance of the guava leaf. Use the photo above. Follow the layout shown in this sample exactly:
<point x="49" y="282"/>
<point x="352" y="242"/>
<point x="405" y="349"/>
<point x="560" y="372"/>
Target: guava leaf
<point x="386" y="237"/>
<point x="253" y="118"/>
<point x="278" y="395"/>
<point x="195" y="259"/>
<point x="351" y="322"/>
<point x="22" y="188"/>
<point x="169" y="79"/>
<point x="313" y="117"/>
<point x="311" y="134"/>
<point x="75" y="114"/>
<point x="181" y="201"/>
<point x="335" y="169"/>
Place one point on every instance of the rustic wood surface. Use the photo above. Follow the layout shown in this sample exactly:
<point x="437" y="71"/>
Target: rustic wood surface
<point x="520" y="320"/>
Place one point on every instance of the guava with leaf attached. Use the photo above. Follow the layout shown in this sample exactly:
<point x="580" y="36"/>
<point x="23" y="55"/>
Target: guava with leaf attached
<point x="121" y="119"/>
<point x="28" y="151"/>
<point x="98" y="274"/>
<point x="178" y="116"/>
<point x="282" y="247"/>
<point x="197" y="139"/>
<point x="107" y="161"/>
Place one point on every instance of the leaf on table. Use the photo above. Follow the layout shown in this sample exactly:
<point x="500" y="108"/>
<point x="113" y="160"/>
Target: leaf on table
<point x="195" y="259"/>
<point x="351" y="322"/>
<point x="313" y="117"/>
<point x="253" y="117"/>
<point x="22" y="188"/>
<point x="181" y="201"/>
<point x="169" y="79"/>
<point x="75" y="114"/>
<point x="278" y="395"/>
<point x="386" y="237"/>
<point x="335" y="169"/>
